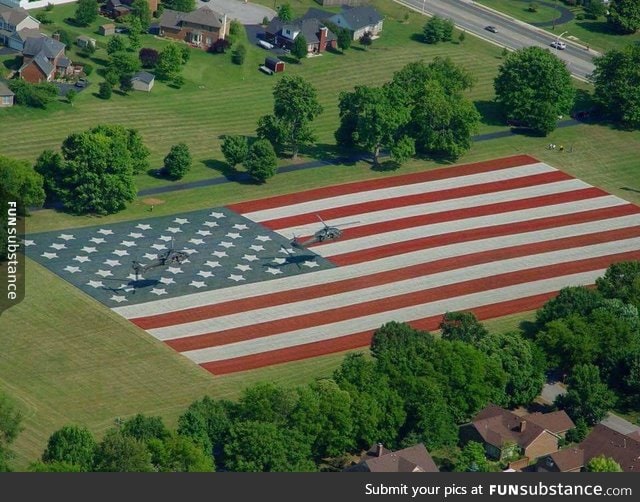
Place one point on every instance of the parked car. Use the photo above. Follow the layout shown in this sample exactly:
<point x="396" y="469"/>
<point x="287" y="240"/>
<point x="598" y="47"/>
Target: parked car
<point x="492" y="29"/>
<point x="558" y="45"/>
<point x="265" y="45"/>
<point x="82" y="82"/>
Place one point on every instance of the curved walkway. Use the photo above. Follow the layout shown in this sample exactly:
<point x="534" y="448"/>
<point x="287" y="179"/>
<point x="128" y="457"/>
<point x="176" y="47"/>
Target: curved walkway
<point x="565" y="15"/>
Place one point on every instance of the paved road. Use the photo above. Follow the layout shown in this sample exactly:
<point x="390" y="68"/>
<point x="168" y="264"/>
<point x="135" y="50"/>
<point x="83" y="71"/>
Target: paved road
<point x="550" y="391"/>
<point x="619" y="424"/>
<point x="511" y="33"/>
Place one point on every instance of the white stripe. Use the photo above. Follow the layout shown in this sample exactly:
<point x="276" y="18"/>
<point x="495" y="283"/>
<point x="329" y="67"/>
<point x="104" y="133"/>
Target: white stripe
<point x="321" y="277"/>
<point x="417" y="284"/>
<point x="407" y="234"/>
<point x="399" y="191"/>
<point x="373" y="321"/>
<point x="398" y="213"/>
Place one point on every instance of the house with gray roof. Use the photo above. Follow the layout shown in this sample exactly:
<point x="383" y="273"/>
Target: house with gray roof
<point x="16" y="25"/>
<point x="143" y="81"/>
<point x="359" y="20"/>
<point x="283" y="34"/>
<point x="43" y="60"/>
<point x="200" y="28"/>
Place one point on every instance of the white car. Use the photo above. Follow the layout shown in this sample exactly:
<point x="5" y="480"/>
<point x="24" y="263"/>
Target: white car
<point x="558" y="45"/>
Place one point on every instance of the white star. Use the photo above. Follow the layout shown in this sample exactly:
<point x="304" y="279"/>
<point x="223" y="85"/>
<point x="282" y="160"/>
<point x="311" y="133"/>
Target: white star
<point x="189" y="251"/>
<point x="280" y="261"/>
<point x="58" y="247"/>
<point x="135" y="235"/>
<point x="112" y="263"/>
<point x="186" y="260"/>
<point x="236" y="278"/>
<point x="198" y="284"/>
<point x="105" y="232"/>
<point x="204" y="233"/>
<point x="118" y="299"/>
<point x="243" y="268"/>
<point x="226" y="244"/>
<point x="217" y="215"/>
<point x="256" y="247"/>
<point x="104" y="273"/>
<point x="210" y="224"/>
<point x="126" y="288"/>
<point x="239" y="226"/>
<point x="28" y="243"/>
<point x="233" y="235"/>
<point x="196" y="241"/>
<point x="158" y="246"/>
<point x="81" y="259"/>
<point x="219" y="254"/>
<point x="212" y="264"/>
<point x="66" y="237"/>
<point x="133" y="277"/>
<point x="167" y="280"/>
<point x="181" y="221"/>
<point x="143" y="226"/>
<point x="273" y="271"/>
<point x="250" y="257"/>
<point x="95" y="284"/>
<point x="205" y="273"/>
<point x="97" y="240"/>
<point x="159" y="291"/>
<point x="71" y="269"/>
<point x="49" y="255"/>
<point x="173" y="230"/>
<point x="311" y="264"/>
<point x="120" y="252"/>
<point x="286" y="250"/>
<point x="165" y="238"/>
<point x="263" y="238"/>
<point x="128" y="243"/>
<point x="88" y="250"/>
<point x="150" y="256"/>
<point x="174" y="270"/>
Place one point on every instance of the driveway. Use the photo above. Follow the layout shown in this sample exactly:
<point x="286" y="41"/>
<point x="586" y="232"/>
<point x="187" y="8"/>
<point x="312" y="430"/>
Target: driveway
<point x="552" y="390"/>
<point x="246" y="13"/>
<point x="6" y="51"/>
<point x="64" y="88"/>
<point x="619" y="424"/>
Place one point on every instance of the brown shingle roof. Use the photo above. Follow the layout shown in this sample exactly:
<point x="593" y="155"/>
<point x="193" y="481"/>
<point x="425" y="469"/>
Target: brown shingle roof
<point x="605" y="441"/>
<point x="413" y="459"/>
<point x="498" y="426"/>
<point x="556" y="422"/>
<point x="568" y="459"/>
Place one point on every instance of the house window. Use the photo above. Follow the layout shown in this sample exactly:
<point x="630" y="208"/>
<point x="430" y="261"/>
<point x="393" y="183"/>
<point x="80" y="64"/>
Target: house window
<point x="6" y="100"/>
<point x="208" y="41"/>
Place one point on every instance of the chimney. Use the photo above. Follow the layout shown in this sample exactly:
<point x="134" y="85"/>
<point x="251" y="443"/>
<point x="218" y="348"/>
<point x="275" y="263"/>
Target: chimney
<point x="379" y="450"/>
<point x="322" y="35"/>
<point x="523" y="425"/>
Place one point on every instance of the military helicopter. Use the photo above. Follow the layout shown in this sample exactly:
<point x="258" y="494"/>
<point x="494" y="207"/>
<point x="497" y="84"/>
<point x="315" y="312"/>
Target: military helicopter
<point x="324" y="234"/>
<point x="169" y="257"/>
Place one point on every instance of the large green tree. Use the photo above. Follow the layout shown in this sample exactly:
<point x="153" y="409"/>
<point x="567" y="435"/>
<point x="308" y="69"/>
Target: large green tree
<point x="463" y="326"/>
<point x="120" y="453"/>
<point x="178" y="161"/>
<point x="285" y="13"/>
<point x="616" y="88"/>
<point x="295" y="106"/>
<point x="588" y="396"/>
<point x="140" y="9"/>
<point x="73" y="445"/>
<point x="169" y="62"/>
<point x="144" y="428"/>
<point x="570" y="300"/>
<point x="10" y="427"/>
<point x="95" y="172"/>
<point x="534" y="87"/>
<point x="215" y="417"/>
<point x="261" y="161"/>
<point x="300" y="48"/>
<point x="624" y="15"/>
<point x="622" y="281"/>
<point x="235" y="149"/>
<point x="472" y="458"/>
<point x="603" y="464"/>
<point x="86" y="12"/>
<point x="177" y="453"/>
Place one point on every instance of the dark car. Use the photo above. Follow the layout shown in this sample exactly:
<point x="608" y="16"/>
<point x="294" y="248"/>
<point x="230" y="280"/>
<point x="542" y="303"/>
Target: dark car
<point x="81" y="83"/>
<point x="492" y="29"/>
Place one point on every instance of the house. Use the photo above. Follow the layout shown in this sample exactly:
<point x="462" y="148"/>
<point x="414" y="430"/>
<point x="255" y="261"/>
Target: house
<point x="358" y="21"/>
<point x="44" y="60"/>
<point x="84" y="41"/>
<point x="143" y="81"/>
<point x="379" y="459"/>
<point x="107" y="29"/>
<point x="114" y="9"/>
<point x="7" y="97"/>
<point x="567" y="460"/>
<point x="16" y="25"/>
<point x="534" y="435"/>
<point x="274" y="64"/>
<point x="201" y="28"/>
<point x="622" y="448"/>
<point x="319" y="38"/>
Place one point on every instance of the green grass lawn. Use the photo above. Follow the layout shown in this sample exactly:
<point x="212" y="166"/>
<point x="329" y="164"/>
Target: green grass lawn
<point x="66" y="359"/>
<point x="595" y="33"/>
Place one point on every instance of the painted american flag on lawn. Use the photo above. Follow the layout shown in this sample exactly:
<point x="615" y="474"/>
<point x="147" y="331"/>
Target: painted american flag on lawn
<point x="495" y="237"/>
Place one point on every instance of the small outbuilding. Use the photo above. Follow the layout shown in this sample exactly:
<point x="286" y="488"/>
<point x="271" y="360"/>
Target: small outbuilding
<point x="7" y="97"/>
<point x="84" y="41"/>
<point x="274" y="64"/>
<point x="107" y="29"/>
<point x="143" y="81"/>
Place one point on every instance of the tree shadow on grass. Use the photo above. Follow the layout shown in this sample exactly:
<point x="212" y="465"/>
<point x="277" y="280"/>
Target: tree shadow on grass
<point x="386" y="166"/>
<point x="12" y="64"/>
<point x="601" y="27"/>
<point x="490" y="112"/>
<point x="332" y="154"/>
<point x="528" y="328"/>
<point x="230" y="173"/>
<point x="417" y="37"/>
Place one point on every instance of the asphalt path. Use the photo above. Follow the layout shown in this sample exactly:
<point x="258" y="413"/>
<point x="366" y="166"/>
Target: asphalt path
<point x="512" y="33"/>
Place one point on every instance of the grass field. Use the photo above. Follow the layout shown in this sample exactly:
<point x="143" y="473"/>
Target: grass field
<point x="593" y="32"/>
<point x="65" y="358"/>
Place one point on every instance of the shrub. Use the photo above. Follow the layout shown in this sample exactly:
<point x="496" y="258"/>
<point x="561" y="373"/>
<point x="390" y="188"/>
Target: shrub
<point x="238" y="55"/>
<point x="580" y="16"/>
<point x="33" y="95"/>
<point x="105" y="90"/>
<point x="148" y="57"/>
<point x="178" y="161"/>
<point x="87" y="69"/>
<point x="265" y="21"/>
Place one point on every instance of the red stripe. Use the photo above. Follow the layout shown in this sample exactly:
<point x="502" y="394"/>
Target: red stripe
<point x="360" y="186"/>
<point x="279" y="298"/>
<point x="468" y="235"/>
<point x="362" y="340"/>
<point x="412" y="200"/>
<point x="263" y="329"/>
<point x="392" y="225"/>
